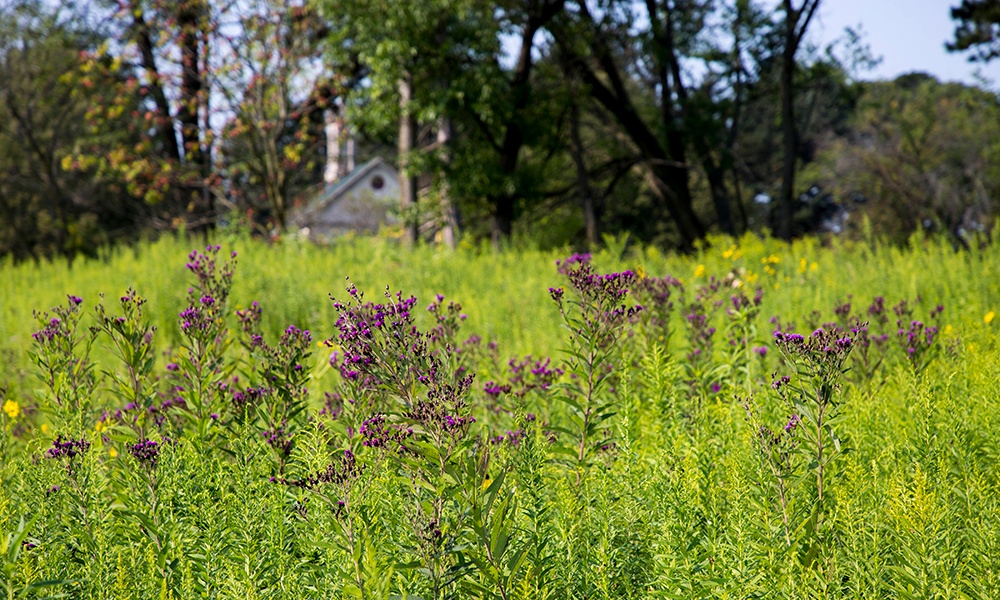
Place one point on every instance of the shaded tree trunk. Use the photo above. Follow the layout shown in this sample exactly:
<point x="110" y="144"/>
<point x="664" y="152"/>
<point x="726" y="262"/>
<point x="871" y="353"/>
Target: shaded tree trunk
<point x="505" y="200"/>
<point x="714" y="173"/>
<point x="666" y="166"/>
<point x="191" y="15"/>
<point x="449" y="211"/>
<point x="796" y="22"/>
<point x="583" y="180"/>
<point x="407" y="145"/>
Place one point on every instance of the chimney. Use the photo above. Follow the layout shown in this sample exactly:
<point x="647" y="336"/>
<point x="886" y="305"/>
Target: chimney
<point x="333" y="128"/>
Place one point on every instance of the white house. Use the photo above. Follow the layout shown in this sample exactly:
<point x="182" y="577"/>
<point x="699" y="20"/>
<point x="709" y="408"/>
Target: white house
<point x="362" y="200"/>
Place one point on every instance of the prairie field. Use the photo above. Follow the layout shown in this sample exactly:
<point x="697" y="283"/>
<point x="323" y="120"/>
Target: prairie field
<point x="757" y="419"/>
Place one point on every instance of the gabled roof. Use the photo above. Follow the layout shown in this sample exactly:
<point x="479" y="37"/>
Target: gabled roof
<point x="336" y="189"/>
<point x="332" y="191"/>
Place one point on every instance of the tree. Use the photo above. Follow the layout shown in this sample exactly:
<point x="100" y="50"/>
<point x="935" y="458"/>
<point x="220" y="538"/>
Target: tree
<point x="439" y="64"/>
<point x="796" y="23"/>
<point x="48" y="205"/>
<point x="977" y="29"/>
<point x="275" y="92"/>
<point x="924" y="153"/>
<point x="590" y="48"/>
<point x="205" y="68"/>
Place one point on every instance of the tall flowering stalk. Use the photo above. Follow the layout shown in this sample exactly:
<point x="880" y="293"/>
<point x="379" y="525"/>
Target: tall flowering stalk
<point x="659" y="297"/>
<point x="872" y="337"/>
<point x="819" y="360"/>
<point x="699" y="315"/>
<point x="131" y="338"/>
<point x="61" y="352"/>
<point x="338" y="486"/>
<point x="277" y="389"/>
<point x="741" y="334"/>
<point x="421" y="418"/>
<point x="596" y="315"/>
<point x="777" y="451"/>
<point x="199" y="379"/>
<point x="380" y="346"/>
<point x="916" y="338"/>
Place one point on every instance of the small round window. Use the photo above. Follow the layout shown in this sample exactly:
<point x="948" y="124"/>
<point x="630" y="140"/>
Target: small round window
<point x="377" y="182"/>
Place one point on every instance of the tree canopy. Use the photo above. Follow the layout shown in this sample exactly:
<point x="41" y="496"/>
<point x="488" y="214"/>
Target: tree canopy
<point x="555" y="120"/>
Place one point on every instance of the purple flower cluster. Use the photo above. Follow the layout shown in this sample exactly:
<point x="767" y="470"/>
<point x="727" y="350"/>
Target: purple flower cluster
<point x="493" y="389"/>
<point x="434" y="416"/>
<point x="196" y="319"/>
<point x="295" y="337"/>
<point x="243" y="400"/>
<point x="656" y="294"/>
<point x="512" y="438"/>
<point x="822" y="344"/>
<point x="202" y="319"/>
<point x="448" y="320"/>
<point x="916" y="340"/>
<point x="574" y="261"/>
<point x="779" y="382"/>
<point x="341" y="472"/>
<point x="67" y="448"/>
<point x="876" y="311"/>
<point x="377" y="432"/>
<point x="377" y="339"/>
<point x="700" y="333"/>
<point x="452" y="422"/>
<point x="741" y="302"/>
<point x="53" y="329"/>
<point x="599" y="300"/>
<point x="213" y="280"/>
<point x="526" y="375"/>
<point x="279" y="439"/>
<point x="147" y="452"/>
<point x="793" y="422"/>
<point x="58" y="326"/>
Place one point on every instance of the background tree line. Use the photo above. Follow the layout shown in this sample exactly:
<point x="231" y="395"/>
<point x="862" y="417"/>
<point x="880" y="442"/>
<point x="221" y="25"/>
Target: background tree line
<point x="556" y="120"/>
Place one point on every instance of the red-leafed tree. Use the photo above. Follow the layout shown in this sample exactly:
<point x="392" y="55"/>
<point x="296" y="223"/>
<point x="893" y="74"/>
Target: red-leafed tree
<point x="203" y="69"/>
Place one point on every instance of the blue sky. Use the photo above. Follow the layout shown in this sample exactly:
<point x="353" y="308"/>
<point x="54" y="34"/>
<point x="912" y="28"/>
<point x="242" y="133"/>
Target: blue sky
<point x="909" y="35"/>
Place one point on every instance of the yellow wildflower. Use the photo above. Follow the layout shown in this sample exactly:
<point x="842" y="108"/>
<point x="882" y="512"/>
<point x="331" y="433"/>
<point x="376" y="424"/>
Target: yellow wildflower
<point x="803" y="265"/>
<point x="112" y="452"/>
<point x="699" y="270"/>
<point x="640" y="272"/>
<point x="12" y="409"/>
<point x="733" y="253"/>
<point x="45" y="428"/>
<point x="948" y="329"/>
<point x="988" y="317"/>
<point x="814" y="266"/>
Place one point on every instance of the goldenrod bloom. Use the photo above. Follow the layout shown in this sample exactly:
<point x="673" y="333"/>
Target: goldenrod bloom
<point x="12" y="409"/>
<point x="988" y="318"/>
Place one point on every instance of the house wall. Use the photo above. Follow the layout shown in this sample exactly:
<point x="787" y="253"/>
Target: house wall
<point x="365" y="206"/>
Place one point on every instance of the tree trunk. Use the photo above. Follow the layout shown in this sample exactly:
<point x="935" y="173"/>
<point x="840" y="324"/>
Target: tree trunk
<point x="190" y="18"/>
<point x="407" y="145"/>
<point x="449" y="212"/>
<point x="796" y="22"/>
<point x="666" y="168"/>
<point x="583" y="181"/>
<point x="786" y="202"/>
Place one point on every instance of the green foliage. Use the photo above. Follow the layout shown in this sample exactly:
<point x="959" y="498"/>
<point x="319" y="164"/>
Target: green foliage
<point x="885" y="486"/>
